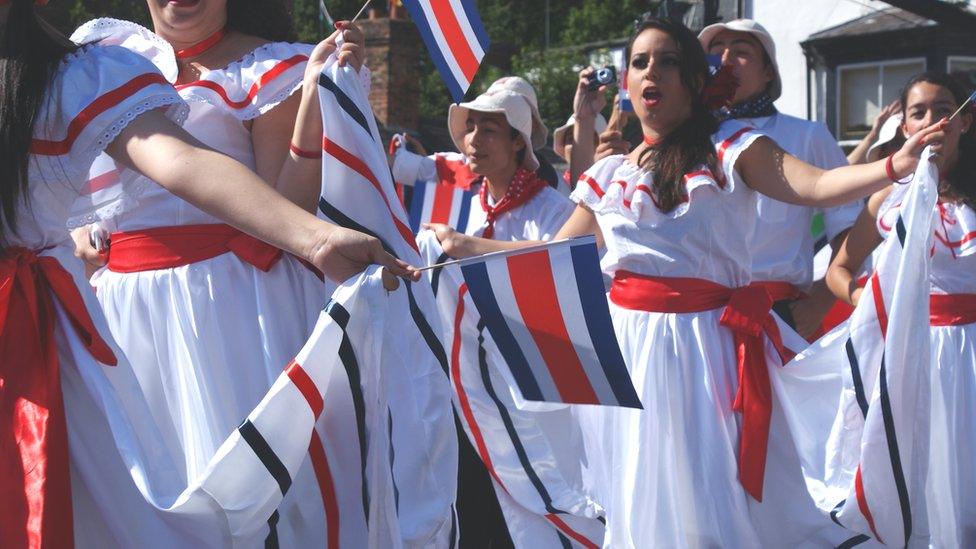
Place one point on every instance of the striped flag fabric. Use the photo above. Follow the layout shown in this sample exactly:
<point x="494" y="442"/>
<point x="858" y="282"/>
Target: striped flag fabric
<point x="546" y="309"/>
<point x="859" y="389"/>
<point x="455" y="38"/>
<point x="435" y="202"/>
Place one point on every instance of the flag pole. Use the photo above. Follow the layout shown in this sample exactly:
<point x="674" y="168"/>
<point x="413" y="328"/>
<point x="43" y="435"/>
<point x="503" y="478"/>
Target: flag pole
<point x="964" y="105"/>
<point x="361" y="11"/>
<point x="439" y="265"/>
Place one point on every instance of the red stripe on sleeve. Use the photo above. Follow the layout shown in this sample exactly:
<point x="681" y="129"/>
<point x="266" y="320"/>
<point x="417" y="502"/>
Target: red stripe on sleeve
<point x="456" y="41"/>
<point x="535" y="294"/>
<point x="306" y="386"/>
<point x="89" y="113"/>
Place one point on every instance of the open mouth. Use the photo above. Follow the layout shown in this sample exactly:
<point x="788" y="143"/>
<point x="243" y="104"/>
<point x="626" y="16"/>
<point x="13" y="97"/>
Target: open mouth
<point x="650" y="97"/>
<point x="184" y="3"/>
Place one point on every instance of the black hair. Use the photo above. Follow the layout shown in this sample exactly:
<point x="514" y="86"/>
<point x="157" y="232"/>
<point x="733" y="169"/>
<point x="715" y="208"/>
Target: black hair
<point x="268" y="19"/>
<point x="690" y="144"/>
<point x="960" y="183"/>
<point x="30" y="52"/>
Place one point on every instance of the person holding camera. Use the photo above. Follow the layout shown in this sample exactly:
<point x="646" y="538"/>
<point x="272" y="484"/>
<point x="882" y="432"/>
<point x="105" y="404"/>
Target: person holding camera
<point x="783" y="245"/>
<point x="576" y="141"/>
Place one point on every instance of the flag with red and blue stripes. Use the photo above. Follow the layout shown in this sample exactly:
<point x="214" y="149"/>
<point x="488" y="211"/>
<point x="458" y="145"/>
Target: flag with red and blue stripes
<point x="436" y="202"/>
<point x="546" y="309"/>
<point x="455" y="38"/>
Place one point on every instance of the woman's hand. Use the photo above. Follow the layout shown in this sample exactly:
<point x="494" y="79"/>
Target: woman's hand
<point x="588" y="103"/>
<point x="905" y="160"/>
<point x="884" y="115"/>
<point x="343" y="253"/>
<point x="86" y="251"/>
<point x="352" y="51"/>
<point x="452" y="241"/>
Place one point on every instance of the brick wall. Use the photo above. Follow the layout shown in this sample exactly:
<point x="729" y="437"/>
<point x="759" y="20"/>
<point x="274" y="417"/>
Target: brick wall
<point x="392" y="49"/>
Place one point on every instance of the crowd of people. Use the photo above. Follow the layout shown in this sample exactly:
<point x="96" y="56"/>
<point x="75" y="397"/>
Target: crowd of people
<point x="161" y="262"/>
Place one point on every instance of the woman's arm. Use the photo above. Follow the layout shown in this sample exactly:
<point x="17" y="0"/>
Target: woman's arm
<point x="162" y="151"/>
<point x="459" y="245"/>
<point x="861" y="240"/>
<point x="771" y="171"/>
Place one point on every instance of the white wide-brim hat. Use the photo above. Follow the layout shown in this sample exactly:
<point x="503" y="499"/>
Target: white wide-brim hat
<point x="889" y="130"/>
<point x="561" y="133"/>
<point x="517" y="113"/>
<point x="520" y="86"/>
<point x="709" y="33"/>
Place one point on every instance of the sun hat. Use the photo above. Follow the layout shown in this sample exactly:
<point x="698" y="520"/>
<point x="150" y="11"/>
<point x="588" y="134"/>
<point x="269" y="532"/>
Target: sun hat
<point x="521" y="86"/>
<point x="515" y="107"/>
<point x="562" y="133"/>
<point x="749" y="26"/>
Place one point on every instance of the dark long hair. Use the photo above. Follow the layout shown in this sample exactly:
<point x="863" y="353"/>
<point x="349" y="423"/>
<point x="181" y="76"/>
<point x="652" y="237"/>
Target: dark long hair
<point x="30" y="51"/>
<point x="268" y="19"/>
<point x="690" y="144"/>
<point x="960" y="182"/>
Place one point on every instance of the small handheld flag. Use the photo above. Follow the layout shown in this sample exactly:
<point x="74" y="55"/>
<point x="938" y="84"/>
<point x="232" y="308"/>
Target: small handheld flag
<point x="547" y="312"/>
<point x="435" y="202"/>
<point x="455" y="38"/>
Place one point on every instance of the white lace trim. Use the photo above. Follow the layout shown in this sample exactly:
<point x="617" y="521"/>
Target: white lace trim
<point x="107" y="30"/>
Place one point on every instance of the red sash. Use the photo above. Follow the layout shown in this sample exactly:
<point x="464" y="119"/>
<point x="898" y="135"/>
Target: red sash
<point x="747" y="314"/>
<point x="169" y="247"/>
<point x="35" y="509"/>
<point x="952" y="310"/>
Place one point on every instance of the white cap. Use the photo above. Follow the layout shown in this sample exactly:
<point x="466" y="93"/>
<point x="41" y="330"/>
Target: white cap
<point x="889" y="130"/>
<point x="561" y="133"/>
<point x="521" y="86"/>
<point x="514" y="106"/>
<point x="749" y="26"/>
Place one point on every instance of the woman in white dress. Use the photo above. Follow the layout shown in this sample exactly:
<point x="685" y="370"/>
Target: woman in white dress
<point x="675" y="216"/>
<point x="209" y="318"/>
<point x="951" y="483"/>
<point x="61" y="105"/>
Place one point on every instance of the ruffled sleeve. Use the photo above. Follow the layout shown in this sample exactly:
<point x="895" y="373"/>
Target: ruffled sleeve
<point x="256" y="83"/>
<point x="135" y="38"/>
<point x="731" y="139"/>
<point x="96" y="92"/>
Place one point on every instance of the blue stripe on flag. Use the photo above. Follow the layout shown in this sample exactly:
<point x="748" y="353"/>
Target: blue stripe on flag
<point x="464" y="212"/>
<point x="479" y="286"/>
<point x="417" y="205"/>
<point x="596" y="313"/>
<point x="345" y="103"/>
<point x="471" y="12"/>
<point x="420" y="19"/>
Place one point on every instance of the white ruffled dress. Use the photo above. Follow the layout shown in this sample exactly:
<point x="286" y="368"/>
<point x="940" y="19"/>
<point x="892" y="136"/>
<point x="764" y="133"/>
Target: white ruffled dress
<point x="207" y="340"/>
<point x="668" y="475"/>
<point x="951" y="484"/>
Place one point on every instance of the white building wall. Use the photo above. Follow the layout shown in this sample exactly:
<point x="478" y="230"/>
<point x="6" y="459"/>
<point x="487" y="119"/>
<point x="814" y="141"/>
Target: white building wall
<point x="793" y="21"/>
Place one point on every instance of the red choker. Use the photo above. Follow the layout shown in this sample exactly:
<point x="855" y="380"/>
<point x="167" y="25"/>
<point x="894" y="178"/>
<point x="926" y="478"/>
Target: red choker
<point x="651" y="142"/>
<point x="202" y="46"/>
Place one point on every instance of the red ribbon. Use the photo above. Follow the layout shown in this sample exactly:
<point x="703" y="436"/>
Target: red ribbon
<point x="952" y="310"/>
<point x="201" y="46"/>
<point x="747" y="314"/>
<point x="524" y="186"/>
<point x="169" y="247"/>
<point x="35" y="510"/>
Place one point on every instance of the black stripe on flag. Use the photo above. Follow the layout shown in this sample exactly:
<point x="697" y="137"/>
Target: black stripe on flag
<point x="854" y="541"/>
<point x="345" y="103"/>
<point x="336" y="216"/>
<point x="268" y="458"/>
<point x="271" y="542"/>
<point x="453" y="540"/>
<point x="426" y="331"/>
<point x="862" y="400"/>
<point x="835" y="511"/>
<point x="389" y="432"/>
<point x="435" y="278"/>
<point x="506" y="418"/>
<point x="900" y="229"/>
<point x="348" y="357"/>
<point x="564" y="541"/>
<point x="894" y="456"/>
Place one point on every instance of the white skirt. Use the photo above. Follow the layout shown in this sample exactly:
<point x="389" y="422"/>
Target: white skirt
<point x="206" y="341"/>
<point x="951" y="487"/>
<point x="668" y="475"/>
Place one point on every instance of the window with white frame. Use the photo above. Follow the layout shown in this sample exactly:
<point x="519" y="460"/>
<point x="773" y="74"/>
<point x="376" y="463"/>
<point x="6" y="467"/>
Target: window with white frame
<point x="966" y="66"/>
<point x="865" y="88"/>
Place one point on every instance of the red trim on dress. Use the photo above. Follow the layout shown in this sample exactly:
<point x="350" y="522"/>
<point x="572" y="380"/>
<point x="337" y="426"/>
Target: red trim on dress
<point x="270" y="75"/>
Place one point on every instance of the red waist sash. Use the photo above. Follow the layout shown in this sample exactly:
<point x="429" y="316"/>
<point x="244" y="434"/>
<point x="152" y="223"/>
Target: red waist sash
<point x="169" y="247"/>
<point x="35" y="510"/>
<point x="747" y="313"/>
<point x="952" y="310"/>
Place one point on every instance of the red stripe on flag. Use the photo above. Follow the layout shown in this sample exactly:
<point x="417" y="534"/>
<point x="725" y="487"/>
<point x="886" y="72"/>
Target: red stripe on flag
<point x="440" y="211"/>
<point x="535" y="295"/>
<point x="879" y="305"/>
<point x="323" y="474"/>
<point x="89" y="113"/>
<point x="862" y="503"/>
<point x="360" y="167"/>
<point x="456" y="40"/>
<point x="570" y="532"/>
<point x="273" y="73"/>
<point x="305" y="386"/>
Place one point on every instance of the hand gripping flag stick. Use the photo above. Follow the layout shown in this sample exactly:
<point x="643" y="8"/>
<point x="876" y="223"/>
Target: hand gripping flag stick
<point x="971" y="99"/>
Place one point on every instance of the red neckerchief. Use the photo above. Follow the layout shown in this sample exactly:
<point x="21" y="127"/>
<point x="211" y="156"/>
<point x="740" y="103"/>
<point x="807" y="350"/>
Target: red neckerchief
<point x="201" y="46"/>
<point x="525" y="185"/>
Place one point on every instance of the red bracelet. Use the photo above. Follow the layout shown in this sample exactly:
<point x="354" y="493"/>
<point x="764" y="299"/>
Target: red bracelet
<point x="890" y="169"/>
<point x="316" y="155"/>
